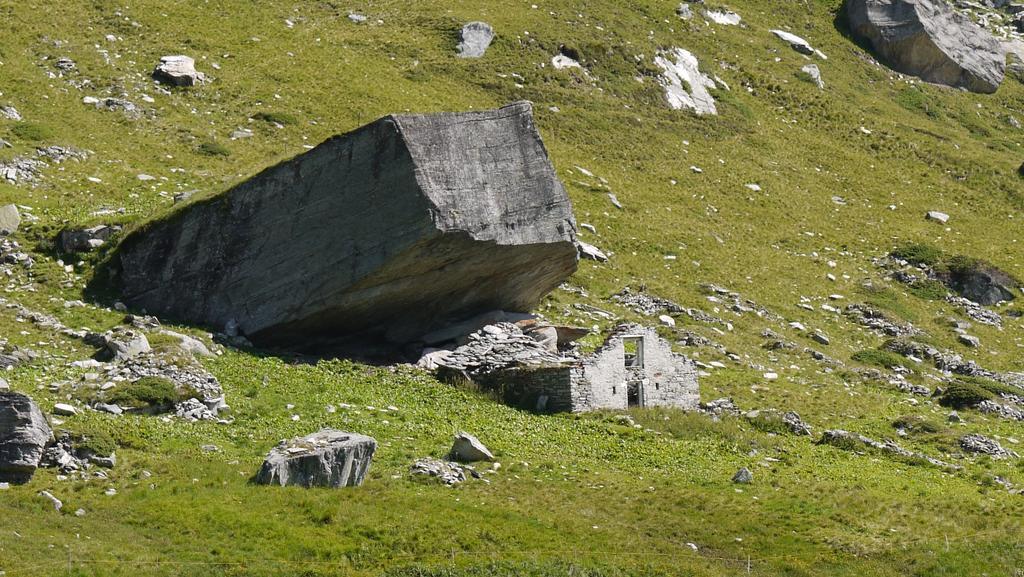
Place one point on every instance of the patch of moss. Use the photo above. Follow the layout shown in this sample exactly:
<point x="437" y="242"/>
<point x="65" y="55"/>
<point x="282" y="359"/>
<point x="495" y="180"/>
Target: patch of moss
<point x="962" y="394"/>
<point x="211" y="148"/>
<point x="886" y="359"/>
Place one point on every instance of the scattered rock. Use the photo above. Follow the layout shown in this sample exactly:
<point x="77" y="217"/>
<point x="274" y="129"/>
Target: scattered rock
<point x="10" y="219"/>
<point x="939" y="217"/>
<point x="10" y="113"/>
<point x="126" y="344"/>
<point x="445" y="471"/>
<point x="57" y="503"/>
<point x="930" y="39"/>
<point x="685" y="85"/>
<point x="723" y="17"/>
<point x="591" y="252"/>
<point x="852" y="441"/>
<point x="327" y="458"/>
<point x="814" y="73"/>
<point x="65" y="410"/>
<point x="178" y="70"/>
<point x="684" y="11"/>
<point x="474" y="39"/>
<point x="24" y="434"/>
<point x="743" y="476"/>
<point x="356" y="18"/>
<point x="469" y="449"/>
<point x="981" y="444"/>
<point x="795" y="42"/>
<point x="562" y="61"/>
<point x="970" y="341"/>
<point x="448" y="235"/>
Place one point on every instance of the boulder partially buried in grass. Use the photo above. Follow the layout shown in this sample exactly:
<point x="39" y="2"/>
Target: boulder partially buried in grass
<point x="327" y="458"/>
<point x="24" y="434"/>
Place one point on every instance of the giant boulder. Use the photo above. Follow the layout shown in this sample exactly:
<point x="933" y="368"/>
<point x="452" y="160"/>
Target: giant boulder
<point x="394" y="230"/>
<point x="931" y="40"/>
<point x="24" y="434"/>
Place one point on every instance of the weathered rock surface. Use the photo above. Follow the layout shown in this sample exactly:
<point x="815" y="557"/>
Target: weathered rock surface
<point x="983" y="445"/>
<point x="10" y="219"/>
<point x="399" y="228"/>
<point x="931" y="40"/>
<point x="178" y="70"/>
<point x="474" y="39"/>
<point x="24" y="434"/>
<point x="685" y="85"/>
<point x="327" y="458"/>
<point x="469" y="449"/>
<point x="743" y="477"/>
<point x="72" y="240"/>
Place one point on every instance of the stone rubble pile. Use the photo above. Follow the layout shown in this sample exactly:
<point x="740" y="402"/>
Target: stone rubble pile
<point x="847" y="440"/>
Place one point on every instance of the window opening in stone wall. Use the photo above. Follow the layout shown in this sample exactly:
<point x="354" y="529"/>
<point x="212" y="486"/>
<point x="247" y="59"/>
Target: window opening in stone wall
<point x="633" y="348"/>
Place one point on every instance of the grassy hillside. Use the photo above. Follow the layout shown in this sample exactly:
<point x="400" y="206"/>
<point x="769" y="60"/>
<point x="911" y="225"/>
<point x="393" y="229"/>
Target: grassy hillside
<point x="575" y="494"/>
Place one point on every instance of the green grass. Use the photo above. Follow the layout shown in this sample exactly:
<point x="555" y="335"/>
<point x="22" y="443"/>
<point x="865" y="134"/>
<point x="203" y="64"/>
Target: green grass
<point x="579" y="495"/>
<point x="879" y="357"/>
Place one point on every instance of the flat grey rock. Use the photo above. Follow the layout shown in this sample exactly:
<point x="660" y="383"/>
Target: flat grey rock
<point x="743" y="476"/>
<point x="402" y="227"/>
<point x="474" y="39"/>
<point x="178" y="70"/>
<point x="814" y="73"/>
<point x="939" y="217"/>
<point x="327" y="458"/>
<point x="10" y="219"/>
<point x="931" y="40"/>
<point x="24" y="434"/>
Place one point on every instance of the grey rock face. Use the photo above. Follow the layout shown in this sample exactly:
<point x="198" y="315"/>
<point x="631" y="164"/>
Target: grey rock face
<point x="24" y="434"/>
<point x="73" y="240"/>
<point x="474" y="39"/>
<point x="178" y="70"/>
<point x="930" y="40"/>
<point x="402" y="227"/>
<point x="469" y="449"/>
<point x="814" y="73"/>
<point x="10" y="219"/>
<point x="327" y="458"/>
<point x="126" y="344"/>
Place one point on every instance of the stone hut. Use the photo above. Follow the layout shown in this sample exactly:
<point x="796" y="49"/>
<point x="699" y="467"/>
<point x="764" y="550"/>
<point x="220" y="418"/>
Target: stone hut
<point x="633" y="368"/>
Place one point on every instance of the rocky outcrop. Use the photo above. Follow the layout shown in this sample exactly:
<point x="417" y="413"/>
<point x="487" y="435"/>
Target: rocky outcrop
<point x="392" y="231"/>
<point x="24" y="434"/>
<point x="931" y="40"/>
<point x="469" y="449"/>
<point x="327" y="458"/>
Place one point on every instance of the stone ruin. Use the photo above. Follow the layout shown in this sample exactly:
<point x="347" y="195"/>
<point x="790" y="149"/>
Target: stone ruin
<point x="634" y="367"/>
<point x="385" y="234"/>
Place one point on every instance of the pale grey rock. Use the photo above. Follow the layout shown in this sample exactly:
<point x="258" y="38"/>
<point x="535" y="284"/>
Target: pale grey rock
<point x="397" y="229"/>
<point x="108" y="408"/>
<point x="931" y="40"/>
<point x="65" y="410"/>
<point x="474" y="39"/>
<point x="469" y="449"/>
<point x="125" y="344"/>
<point x="327" y="458"/>
<point x="795" y="42"/>
<point x="939" y="217"/>
<point x="10" y="219"/>
<point x="743" y="476"/>
<point x="591" y="252"/>
<point x="4" y="386"/>
<point x="356" y="17"/>
<point x="562" y="61"/>
<point x="57" y="503"/>
<point x="723" y="17"/>
<point x="24" y="434"/>
<point x="969" y="341"/>
<point x="814" y="73"/>
<point x="684" y="11"/>
<point x="684" y="84"/>
<point x="178" y="70"/>
<point x="10" y="113"/>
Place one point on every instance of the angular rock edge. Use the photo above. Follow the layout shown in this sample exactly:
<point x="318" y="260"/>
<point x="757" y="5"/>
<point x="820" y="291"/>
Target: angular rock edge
<point x="396" y="229"/>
